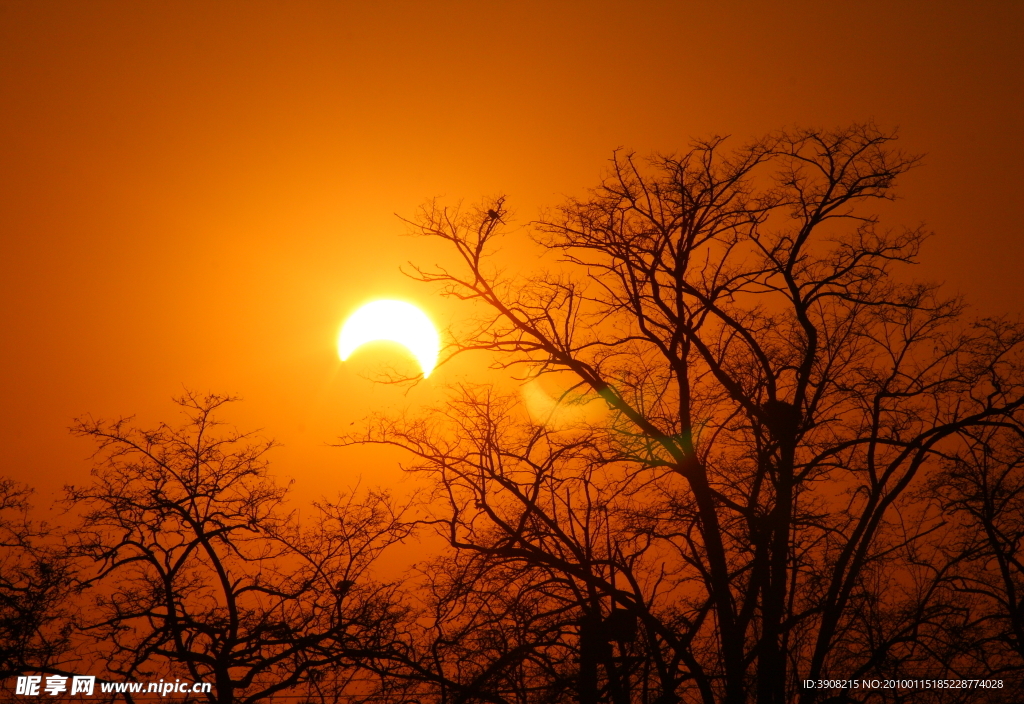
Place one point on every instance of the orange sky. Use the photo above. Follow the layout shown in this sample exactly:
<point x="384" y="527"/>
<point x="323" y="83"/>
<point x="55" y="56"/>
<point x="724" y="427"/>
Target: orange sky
<point x="196" y="193"/>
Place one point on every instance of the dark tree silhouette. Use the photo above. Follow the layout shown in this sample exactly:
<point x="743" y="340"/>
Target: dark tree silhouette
<point x="199" y="571"/>
<point x="36" y="582"/>
<point x="777" y="396"/>
<point x="982" y="492"/>
<point x="537" y="524"/>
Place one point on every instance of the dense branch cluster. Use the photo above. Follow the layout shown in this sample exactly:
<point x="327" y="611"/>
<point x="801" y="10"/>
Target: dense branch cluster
<point x="747" y="451"/>
<point x="35" y="579"/>
<point x="798" y="429"/>
<point x="195" y="568"/>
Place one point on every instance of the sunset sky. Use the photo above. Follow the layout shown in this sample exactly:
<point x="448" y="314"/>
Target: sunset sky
<point x="196" y="194"/>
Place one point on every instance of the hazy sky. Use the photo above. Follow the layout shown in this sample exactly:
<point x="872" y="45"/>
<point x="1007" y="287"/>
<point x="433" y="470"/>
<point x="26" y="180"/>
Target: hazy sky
<point x="196" y="194"/>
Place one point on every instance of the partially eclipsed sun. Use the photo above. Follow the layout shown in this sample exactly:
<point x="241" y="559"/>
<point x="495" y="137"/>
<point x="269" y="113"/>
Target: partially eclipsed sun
<point x="393" y="321"/>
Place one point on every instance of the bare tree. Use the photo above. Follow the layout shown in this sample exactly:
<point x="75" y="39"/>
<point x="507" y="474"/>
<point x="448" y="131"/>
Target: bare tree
<point x="36" y="582"/>
<point x="981" y="490"/>
<point x="768" y="377"/>
<point x="200" y="571"/>
<point x="532" y="523"/>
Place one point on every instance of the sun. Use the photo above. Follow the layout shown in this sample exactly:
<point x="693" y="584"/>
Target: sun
<point x="394" y="321"/>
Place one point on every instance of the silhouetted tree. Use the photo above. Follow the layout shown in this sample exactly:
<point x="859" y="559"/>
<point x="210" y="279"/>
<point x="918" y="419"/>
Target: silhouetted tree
<point x="776" y="397"/>
<point x="529" y="518"/>
<point x="35" y="586"/>
<point x="200" y="571"/>
<point x="981" y="490"/>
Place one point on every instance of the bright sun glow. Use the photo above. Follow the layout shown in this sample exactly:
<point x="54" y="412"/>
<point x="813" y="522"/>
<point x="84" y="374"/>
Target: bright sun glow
<point x="395" y="321"/>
